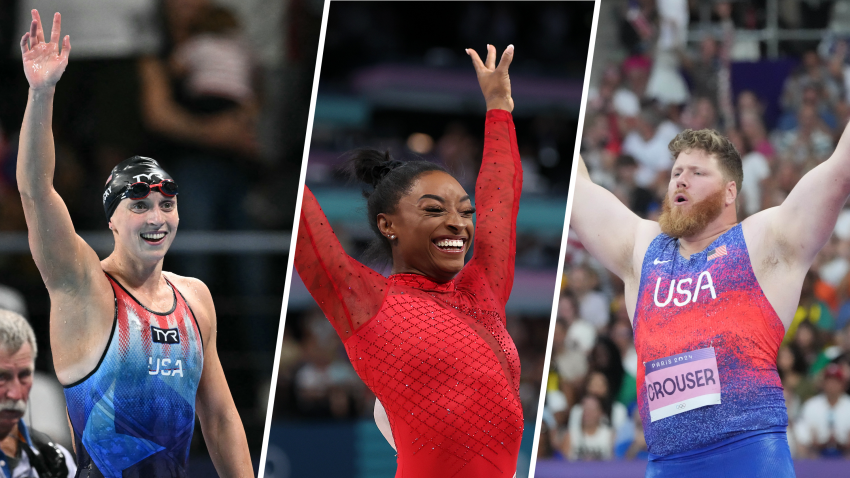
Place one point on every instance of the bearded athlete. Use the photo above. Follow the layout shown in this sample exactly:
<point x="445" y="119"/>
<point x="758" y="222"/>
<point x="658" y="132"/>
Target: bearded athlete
<point x="710" y="299"/>
<point x="133" y="376"/>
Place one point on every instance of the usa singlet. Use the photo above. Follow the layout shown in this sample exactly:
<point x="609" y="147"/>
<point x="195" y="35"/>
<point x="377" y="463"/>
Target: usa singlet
<point x="134" y="414"/>
<point x="437" y="355"/>
<point x="706" y="339"/>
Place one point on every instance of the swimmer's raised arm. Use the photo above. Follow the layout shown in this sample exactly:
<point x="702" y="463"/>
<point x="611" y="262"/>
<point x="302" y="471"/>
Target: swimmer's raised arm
<point x="63" y="258"/>
<point x="607" y="228"/>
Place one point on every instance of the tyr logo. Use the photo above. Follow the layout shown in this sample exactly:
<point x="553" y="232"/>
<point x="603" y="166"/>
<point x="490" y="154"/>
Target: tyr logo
<point x="703" y="282"/>
<point x="148" y="177"/>
<point x="165" y="336"/>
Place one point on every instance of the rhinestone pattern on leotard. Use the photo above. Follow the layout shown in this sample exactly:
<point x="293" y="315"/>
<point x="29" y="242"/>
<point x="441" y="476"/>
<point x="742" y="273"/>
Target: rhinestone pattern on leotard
<point x="437" y="356"/>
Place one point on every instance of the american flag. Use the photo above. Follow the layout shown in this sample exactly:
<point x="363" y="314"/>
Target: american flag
<point x="715" y="253"/>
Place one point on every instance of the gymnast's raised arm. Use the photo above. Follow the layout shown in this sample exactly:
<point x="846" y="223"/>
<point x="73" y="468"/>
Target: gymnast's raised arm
<point x="499" y="184"/>
<point x="348" y="292"/>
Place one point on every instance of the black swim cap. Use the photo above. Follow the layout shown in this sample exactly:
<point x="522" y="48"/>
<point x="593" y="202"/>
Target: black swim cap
<point x="137" y="169"/>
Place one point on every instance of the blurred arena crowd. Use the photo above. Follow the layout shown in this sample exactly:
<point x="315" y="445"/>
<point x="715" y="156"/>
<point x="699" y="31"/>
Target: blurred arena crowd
<point x="651" y="84"/>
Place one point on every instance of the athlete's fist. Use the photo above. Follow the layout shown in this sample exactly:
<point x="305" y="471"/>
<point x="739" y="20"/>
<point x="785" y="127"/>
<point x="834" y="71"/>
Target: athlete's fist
<point x="44" y="63"/>
<point x="495" y="82"/>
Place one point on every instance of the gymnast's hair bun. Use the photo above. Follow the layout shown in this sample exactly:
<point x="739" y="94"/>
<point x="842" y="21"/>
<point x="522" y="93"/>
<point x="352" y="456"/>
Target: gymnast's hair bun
<point x="370" y="165"/>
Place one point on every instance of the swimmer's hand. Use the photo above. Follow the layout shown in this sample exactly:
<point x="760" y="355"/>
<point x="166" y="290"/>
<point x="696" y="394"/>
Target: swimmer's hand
<point x="44" y="63"/>
<point x="495" y="82"/>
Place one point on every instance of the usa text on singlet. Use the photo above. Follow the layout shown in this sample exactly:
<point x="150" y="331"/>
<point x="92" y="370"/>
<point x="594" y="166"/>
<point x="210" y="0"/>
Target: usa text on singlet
<point x="134" y="414"/>
<point x="706" y="339"/>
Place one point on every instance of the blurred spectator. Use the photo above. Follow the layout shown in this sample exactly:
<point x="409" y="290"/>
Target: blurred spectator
<point x="605" y="358"/>
<point x="700" y="114"/>
<point x="809" y="143"/>
<point x="326" y="384"/>
<point x="592" y="304"/>
<point x="665" y="83"/>
<point x="215" y="64"/>
<point x="648" y="145"/>
<point x="568" y="362"/>
<point x="812" y="72"/>
<point x="812" y="311"/>
<point x="756" y="169"/>
<point x="704" y="69"/>
<point x="554" y="418"/>
<point x="639" y="199"/>
<point x="580" y="333"/>
<point x="755" y="134"/>
<point x="824" y="425"/>
<point x="631" y="442"/>
<point x="459" y="151"/>
<point x="594" y="440"/>
<point x="793" y="371"/>
<point x="615" y="413"/>
<point x="621" y="334"/>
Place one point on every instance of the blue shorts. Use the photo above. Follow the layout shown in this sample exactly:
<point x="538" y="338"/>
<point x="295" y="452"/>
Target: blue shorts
<point x="760" y="454"/>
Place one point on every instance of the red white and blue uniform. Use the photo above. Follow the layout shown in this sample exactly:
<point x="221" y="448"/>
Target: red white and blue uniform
<point x="134" y="414"/>
<point x="688" y="307"/>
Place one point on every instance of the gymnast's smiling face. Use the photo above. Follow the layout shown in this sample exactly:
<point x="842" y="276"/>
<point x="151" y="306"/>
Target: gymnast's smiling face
<point x="433" y="227"/>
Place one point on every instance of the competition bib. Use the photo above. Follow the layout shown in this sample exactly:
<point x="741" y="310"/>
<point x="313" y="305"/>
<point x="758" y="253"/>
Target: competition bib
<point x="682" y="382"/>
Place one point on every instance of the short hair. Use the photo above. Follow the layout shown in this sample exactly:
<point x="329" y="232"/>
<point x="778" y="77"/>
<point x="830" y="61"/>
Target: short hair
<point x="15" y="331"/>
<point x="715" y="144"/>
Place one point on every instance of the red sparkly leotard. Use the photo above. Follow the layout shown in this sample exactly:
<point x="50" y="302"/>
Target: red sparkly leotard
<point x="437" y="356"/>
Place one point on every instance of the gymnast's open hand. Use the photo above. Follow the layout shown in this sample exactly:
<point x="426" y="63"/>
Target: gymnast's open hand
<point x="494" y="80"/>
<point x="44" y="63"/>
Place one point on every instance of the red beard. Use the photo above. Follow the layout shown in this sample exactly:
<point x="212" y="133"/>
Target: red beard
<point x="681" y="222"/>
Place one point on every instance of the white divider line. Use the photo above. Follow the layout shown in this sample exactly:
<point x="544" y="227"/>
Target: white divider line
<point x="289" y="263"/>
<point x="564" y="238"/>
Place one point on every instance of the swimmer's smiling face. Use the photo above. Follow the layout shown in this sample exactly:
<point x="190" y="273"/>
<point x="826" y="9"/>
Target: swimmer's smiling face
<point x="433" y="227"/>
<point x="145" y="228"/>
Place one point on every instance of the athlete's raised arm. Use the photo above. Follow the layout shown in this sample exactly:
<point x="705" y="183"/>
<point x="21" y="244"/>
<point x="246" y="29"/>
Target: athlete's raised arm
<point x="803" y="223"/>
<point x="784" y="240"/>
<point x="610" y="231"/>
<point x="348" y="292"/>
<point x="63" y="258"/>
<point x="499" y="183"/>
<point x="220" y="423"/>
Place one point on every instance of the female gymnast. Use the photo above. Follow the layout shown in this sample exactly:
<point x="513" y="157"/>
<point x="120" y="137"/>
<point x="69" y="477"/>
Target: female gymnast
<point x="430" y="340"/>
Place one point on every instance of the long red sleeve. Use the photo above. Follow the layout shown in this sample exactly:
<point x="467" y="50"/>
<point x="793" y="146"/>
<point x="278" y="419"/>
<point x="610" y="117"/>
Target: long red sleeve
<point x="348" y="292"/>
<point x="497" y="193"/>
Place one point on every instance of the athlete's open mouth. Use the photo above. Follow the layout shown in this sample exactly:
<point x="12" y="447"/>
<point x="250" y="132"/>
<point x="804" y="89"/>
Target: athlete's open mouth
<point x="680" y="198"/>
<point x="153" y="237"/>
<point x="450" y="245"/>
